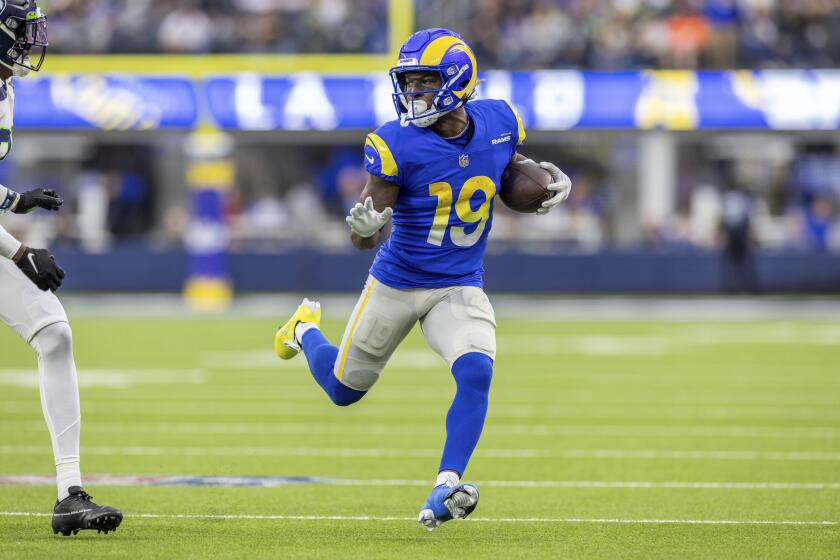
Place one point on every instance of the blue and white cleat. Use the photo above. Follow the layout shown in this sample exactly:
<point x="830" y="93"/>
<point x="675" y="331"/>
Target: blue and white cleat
<point x="448" y="502"/>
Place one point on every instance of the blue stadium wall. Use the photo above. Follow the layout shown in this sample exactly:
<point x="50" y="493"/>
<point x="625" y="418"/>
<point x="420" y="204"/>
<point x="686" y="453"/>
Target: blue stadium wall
<point x="315" y="272"/>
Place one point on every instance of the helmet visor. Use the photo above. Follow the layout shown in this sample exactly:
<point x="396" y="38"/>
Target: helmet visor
<point x="35" y="33"/>
<point x="31" y="46"/>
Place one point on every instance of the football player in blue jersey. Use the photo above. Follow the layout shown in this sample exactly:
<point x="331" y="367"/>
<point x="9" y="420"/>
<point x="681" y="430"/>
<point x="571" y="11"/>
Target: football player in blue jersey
<point x="434" y="172"/>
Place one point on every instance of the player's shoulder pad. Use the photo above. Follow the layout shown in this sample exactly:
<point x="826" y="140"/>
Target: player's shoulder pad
<point x="505" y="112"/>
<point x="520" y="128"/>
<point x="382" y="151"/>
<point x="502" y="112"/>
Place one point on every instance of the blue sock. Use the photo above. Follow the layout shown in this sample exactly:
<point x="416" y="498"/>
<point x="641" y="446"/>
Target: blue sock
<point x="320" y="355"/>
<point x="465" y="419"/>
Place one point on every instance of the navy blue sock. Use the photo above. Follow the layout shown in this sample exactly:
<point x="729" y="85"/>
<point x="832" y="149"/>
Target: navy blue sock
<point x="320" y="355"/>
<point x="465" y="419"/>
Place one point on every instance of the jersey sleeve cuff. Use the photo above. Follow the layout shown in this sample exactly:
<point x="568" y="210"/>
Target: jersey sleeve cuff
<point x="391" y="179"/>
<point x="8" y="197"/>
<point x="9" y="246"/>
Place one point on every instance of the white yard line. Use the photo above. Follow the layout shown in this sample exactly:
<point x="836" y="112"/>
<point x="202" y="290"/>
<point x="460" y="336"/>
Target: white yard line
<point x="115" y="378"/>
<point x="473" y="520"/>
<point x="507" y="429"/>
<point x="316" y="408"/>
<point x="273" y="481"/>
<point x="680" y="339"/>
<point x="358" y="452"/>
<point x="272" y="397"/>
<point x="589" y="309"/>
<point x="605" y="484"/>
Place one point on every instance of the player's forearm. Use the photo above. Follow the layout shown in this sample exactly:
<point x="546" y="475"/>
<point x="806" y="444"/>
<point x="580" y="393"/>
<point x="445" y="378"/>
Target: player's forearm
<point x="9" y="246"/>
<point x="360" y="242"/>
<point x="8" y="199"/>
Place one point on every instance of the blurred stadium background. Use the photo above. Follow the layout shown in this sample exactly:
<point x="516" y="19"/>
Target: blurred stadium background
<point x="213" y="147"/>
<point x="205" y="138"/>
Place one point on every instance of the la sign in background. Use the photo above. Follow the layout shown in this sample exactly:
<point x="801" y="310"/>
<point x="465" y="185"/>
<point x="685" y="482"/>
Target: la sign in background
<point x="546" y="100"/>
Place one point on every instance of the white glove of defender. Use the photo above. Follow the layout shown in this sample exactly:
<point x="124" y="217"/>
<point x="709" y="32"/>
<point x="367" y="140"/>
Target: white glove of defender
<point x="561" y="185"/>
<point x="366" y="221"/>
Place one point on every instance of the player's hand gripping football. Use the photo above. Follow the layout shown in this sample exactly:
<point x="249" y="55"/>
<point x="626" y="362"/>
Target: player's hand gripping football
<point x="39" y="266"/>
<point x="365" y="220"/>
<point x="28" y="201"/>
<point x="560" y="185"/>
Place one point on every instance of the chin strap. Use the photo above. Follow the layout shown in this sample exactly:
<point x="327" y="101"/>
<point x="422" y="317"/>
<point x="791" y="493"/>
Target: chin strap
<point x="17" y="70"/>
<point x="418" y="109"/>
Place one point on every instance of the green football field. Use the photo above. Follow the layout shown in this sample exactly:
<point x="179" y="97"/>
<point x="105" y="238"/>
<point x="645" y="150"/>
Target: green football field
<point x="605" y="439"/>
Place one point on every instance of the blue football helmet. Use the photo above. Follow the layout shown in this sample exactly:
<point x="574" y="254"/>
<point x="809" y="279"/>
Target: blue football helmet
<point x="23" y="36"/>
<point x="434" y="50"/>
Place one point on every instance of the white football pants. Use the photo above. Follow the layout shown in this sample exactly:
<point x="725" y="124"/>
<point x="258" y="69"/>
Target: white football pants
<point x="39" y="318"/>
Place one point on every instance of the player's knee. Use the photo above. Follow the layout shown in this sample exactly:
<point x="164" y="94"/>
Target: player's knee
<point x="342" y="395"/>
<point x="360" y="377"/>
<point x="54" y="339"/>
<point x="473" y="372"/>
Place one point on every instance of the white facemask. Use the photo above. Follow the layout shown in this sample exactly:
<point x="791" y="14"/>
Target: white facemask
<point x="420" y="108"/>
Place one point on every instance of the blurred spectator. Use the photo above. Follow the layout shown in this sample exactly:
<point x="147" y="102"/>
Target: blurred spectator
<point x="522" y="34"/>
<point x="739" y="272"/>
<point x="530" y="34"/>
<point x="819" y="222"/>
<point x="129" y="211"/>
<point x="186" y="29"/>
<point x="688" y="36"/>
<point x="815" y="195"/>
<point x="300" y="194"/>
<point x="266" y="215"/>
<point x="200" y="26"/>
<point x="724" y="16"/>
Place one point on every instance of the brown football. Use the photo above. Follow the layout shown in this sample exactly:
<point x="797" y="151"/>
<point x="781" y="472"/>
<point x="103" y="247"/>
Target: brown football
<point x="523" y="186"/>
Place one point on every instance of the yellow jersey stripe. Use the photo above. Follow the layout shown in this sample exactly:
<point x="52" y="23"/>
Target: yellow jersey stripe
<point x="389" y="164"/>
<point x="340" y="371"/>
<point x="521" y="128"/>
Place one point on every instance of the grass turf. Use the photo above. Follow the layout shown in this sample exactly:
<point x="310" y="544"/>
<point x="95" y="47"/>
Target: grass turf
<point x="572" y="402"/>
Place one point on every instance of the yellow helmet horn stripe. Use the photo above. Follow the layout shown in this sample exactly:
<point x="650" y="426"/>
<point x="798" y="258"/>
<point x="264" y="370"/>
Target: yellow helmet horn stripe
<point x="435" y="52"/>
<point x="461" y="93"/>
<point x="437" y="48"/>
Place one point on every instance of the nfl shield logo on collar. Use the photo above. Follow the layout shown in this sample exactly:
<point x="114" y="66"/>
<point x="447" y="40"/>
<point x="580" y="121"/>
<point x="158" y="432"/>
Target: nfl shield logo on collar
<point x="464" y="160"/>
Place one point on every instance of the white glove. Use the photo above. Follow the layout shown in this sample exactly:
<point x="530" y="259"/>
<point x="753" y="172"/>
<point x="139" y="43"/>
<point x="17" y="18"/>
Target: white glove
<point x="366" y="221"/>
<point x="561" y="185"/>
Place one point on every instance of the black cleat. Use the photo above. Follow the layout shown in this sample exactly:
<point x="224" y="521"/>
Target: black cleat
<point x="77" y="512"/>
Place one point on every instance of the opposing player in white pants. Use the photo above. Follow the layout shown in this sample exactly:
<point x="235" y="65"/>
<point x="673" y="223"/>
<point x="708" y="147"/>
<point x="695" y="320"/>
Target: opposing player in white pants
<point x="28" y="278"/>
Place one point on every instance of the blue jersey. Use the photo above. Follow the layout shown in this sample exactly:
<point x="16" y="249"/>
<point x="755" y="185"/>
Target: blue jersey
<point x="444" y="210"/>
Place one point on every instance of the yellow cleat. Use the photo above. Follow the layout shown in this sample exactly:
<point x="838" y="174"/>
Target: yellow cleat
<point x="285" y="343"/>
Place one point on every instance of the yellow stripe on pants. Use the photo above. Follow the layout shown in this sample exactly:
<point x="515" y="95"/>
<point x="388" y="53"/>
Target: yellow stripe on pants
<point x="340" y="371"/>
